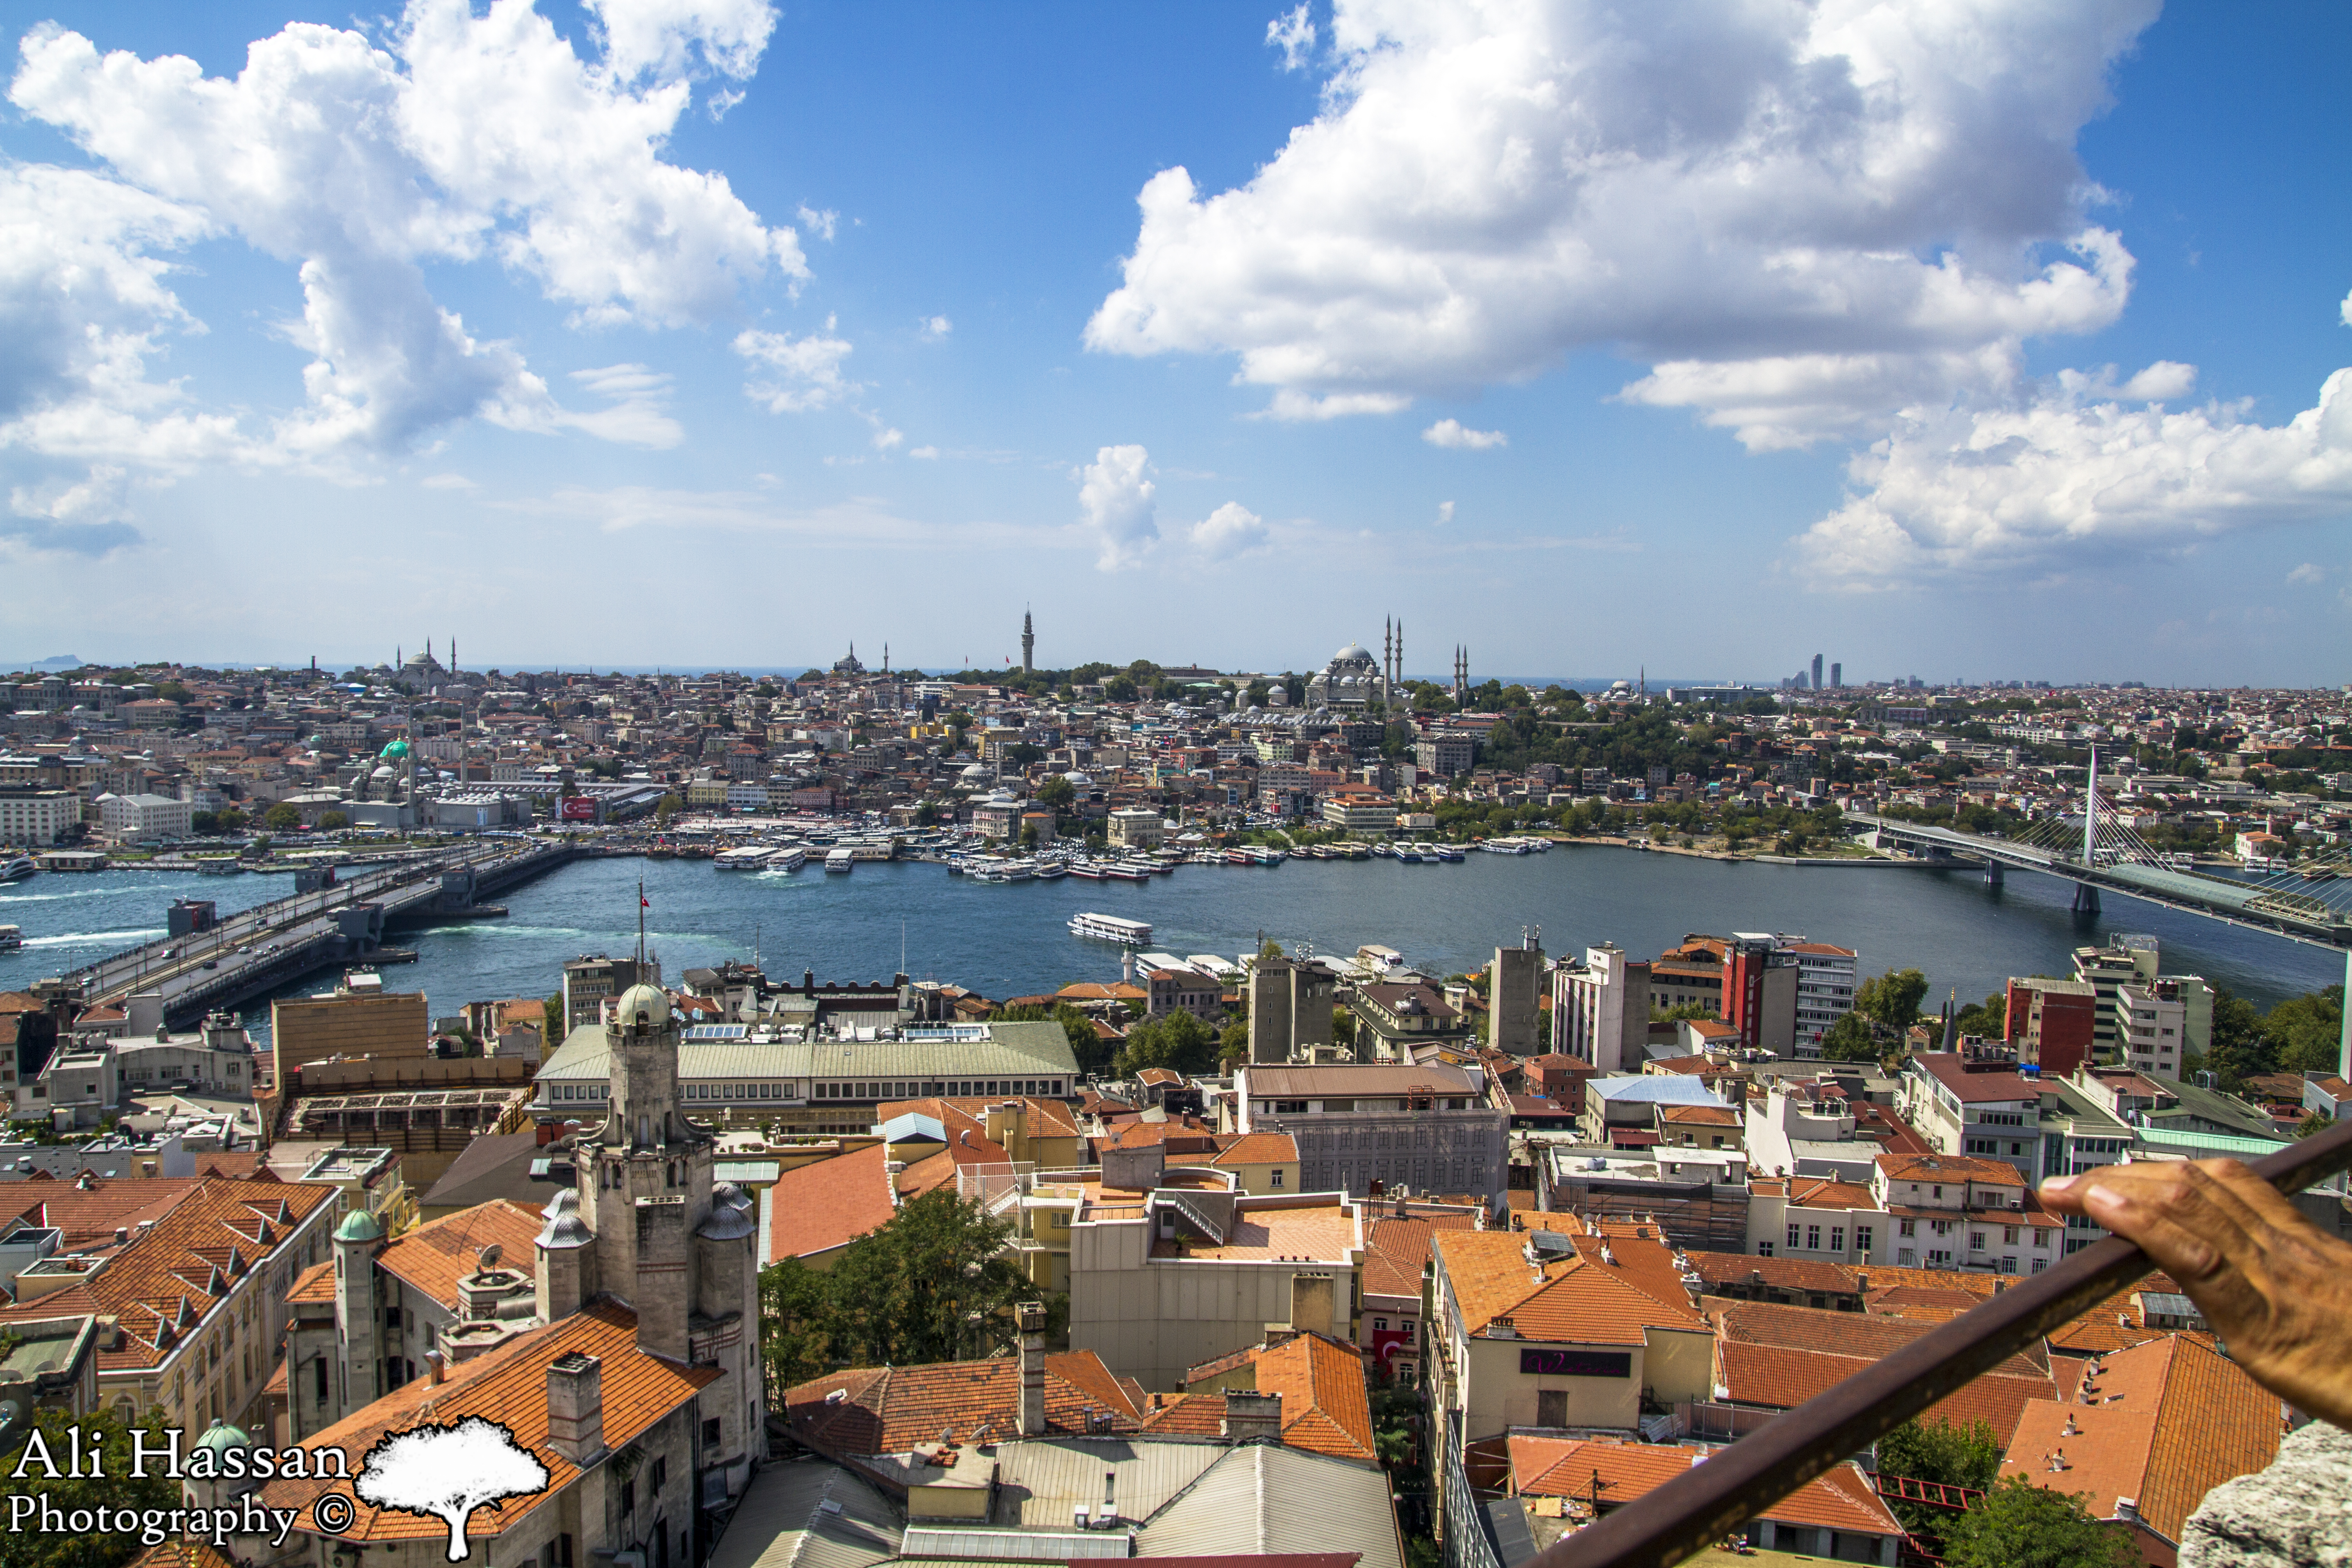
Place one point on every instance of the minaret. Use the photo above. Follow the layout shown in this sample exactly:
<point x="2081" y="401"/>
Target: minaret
<point x="1028" y="644"/>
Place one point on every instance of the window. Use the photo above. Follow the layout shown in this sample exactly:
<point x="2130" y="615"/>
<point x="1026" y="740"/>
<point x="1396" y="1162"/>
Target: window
<point x="661" y="1473"/>
<point x="2009" y="1235"/>
<point x="1277" y="1178"/>
<point x="1763" y="1249"/>
<point x="1813" y="1239"/>
<point x="1906" y="1227"/>
<point x="2041" y="1238"/>
<point x="1406" y="1324"/>
<point x="1380" y="1325"/>
<point x="1551" y="1407"/>
<point x="1792" y="1239"/>
<point x="629" y="1496"/>
<point x="1837" y="1238"/>
<point x="1975" y="1241"/>
<point x="319" y="1368"/>
<point x="1862" y="1238"/>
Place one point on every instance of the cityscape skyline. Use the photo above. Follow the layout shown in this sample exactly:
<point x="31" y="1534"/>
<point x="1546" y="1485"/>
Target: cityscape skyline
<point x="2072" y="398"/>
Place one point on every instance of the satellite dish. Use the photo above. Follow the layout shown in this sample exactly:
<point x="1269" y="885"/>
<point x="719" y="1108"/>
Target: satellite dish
<point x="488" y="1256"/>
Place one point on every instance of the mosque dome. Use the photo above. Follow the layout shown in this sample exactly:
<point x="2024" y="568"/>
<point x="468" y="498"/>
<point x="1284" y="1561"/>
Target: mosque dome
<point x="221" y="1435"/>
<point x="1352" y="654"/>
<point x="359" y="1226"/>
<point x="642" y="1000"/>
<point x="395" y="752"/>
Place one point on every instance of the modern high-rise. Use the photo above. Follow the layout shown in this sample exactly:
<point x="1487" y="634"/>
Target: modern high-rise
<point x="1837" y="675"/>
<point x="1826" y="978"/>
<point x="1817" y="673"/>
<point x="1600" y="1008"/>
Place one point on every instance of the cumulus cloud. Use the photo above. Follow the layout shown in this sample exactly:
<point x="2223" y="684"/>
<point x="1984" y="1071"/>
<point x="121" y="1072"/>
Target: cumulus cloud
<point x="2307" y="574"/>
<point x="1453" y="433"/>
<point x="459" y="136"/>
<point x="1115" y="501"/>
<point x="1444" y="512"/>
<point x="1293" y="33"/>
<point x="937" y="327"/>
<point x="1230" y="531"/>
<point x="820" y="223"/>
<point x="886" y="439"/>
<point x="2083" y="466"/>
<point x="804" y="372"/>
<point x="90" y="516"/>
<point x="1805" y="217"/>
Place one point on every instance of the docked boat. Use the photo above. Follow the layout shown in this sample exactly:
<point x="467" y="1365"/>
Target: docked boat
<point x="790" y="858"/>
<point x="1448" y="852"/>
<point x="1111" y="928"/>
<point x="11" y="939"/>
<point x="16" y="867"/>
<point x="1090" y="871"/>
<point x="843" y="858"/>
<point x="220" y="866"/>
<point x="746" y="860"/>
<point x="1052" y="872"/>
<point x="1127" y="871"/>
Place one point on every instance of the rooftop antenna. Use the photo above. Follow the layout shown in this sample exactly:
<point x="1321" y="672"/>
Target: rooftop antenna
<point x="641" y="907"/>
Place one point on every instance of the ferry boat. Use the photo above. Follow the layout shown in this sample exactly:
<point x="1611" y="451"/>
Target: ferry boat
<point x="1127" y="871"/>
<point x="1111" y="928"/>
<point x="1448" y="852"/>
<point x="1406" y="853"/>
<point x="1505" y="847"/>
<point x="841" y="860"/>
<point x="1052" y="871"/>
<point x="1237" y="857"/>
<point x="1428" y="852"/>
<point x="1090" y="871"/>
<point x="790" y="858"/>
<point x="746" y="860"/>
<point x="16" y="867"/>
<point x="220" y="866"/>
<point x="11" y="939"/>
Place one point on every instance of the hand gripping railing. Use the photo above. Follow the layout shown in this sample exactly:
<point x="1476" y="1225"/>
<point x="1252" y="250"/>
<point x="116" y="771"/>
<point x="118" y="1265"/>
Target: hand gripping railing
<point x="1707" y="1502"/>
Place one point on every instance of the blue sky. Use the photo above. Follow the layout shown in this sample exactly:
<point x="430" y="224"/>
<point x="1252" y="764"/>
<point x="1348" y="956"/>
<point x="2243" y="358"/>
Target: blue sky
<point x="1979" y="341"/>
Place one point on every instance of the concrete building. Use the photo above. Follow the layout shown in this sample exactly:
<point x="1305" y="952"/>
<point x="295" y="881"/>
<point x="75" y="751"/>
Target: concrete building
<point x="1515" y="979"/>
<point x="30" y="815"/>
<point x="1396" y="1022"/>
<point x="2053" y="1024"/>
<point x="1600" y="1008"/>
<point x="1826" y="978"/>
<point x="1759" y="992"/>
<point x="219" y="1059"/>
<point x="144" y="817"/>
<point x="1137" y="827"/>
<point x="2151" y="1027"/>
<point x="347" y="1024"/>
<point x="1445" y="755"/>
<point x="1427" y="1128"/>
<point x="1290" y="1003"/>
<point x="590" y="983"/>
<point x="2124" y="960"/>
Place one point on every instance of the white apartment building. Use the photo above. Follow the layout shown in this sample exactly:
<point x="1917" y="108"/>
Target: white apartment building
<point x="1600" y="1008"/>
<point x="2152" y="1027"/>
<point x="144" y="817"/>
<point x="31" y="816"/>
<point x="1917" y="1211"/>
<point x="1826" y="978"/>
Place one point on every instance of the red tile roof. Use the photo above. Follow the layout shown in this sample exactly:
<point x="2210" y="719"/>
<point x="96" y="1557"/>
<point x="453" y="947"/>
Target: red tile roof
<point x="822" y="1207"/>
<point x="1326" y="1408"/>
<point x="507" y="1385"/>
<point x="1577" y="1300"/>
<point x="889" y="1410"/>
<point x="1779" y="1357"/>
<point x="434" y="1255"/>
<point x="1549" y="1466"/>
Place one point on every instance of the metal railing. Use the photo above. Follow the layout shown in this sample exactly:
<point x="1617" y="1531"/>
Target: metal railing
<point x="1710" y="1501"/>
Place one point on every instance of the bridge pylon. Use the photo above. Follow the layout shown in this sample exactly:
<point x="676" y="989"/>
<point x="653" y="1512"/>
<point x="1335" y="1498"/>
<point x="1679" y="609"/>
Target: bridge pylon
<point x="2087" y="898"/>
<point x="1993" y="873"/>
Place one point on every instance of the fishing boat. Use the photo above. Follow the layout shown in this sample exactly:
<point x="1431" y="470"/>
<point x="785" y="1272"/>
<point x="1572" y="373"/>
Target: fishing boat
<point x="1111" y="928"/>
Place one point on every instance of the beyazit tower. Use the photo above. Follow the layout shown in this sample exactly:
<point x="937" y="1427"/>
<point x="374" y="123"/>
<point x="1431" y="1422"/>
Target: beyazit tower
<point x="1028" y="645"/>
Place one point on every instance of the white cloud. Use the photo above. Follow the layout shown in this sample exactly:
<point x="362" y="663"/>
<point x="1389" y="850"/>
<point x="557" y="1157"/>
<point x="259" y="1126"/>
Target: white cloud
<point x="1230" y="531"/>
<point x="460" y="136"/>
<point x="1115" y="499"/>
<point x="937" y="327"/>
<point x="1294" y="34"/>
<point x="1291" y="404"/>
<point x="886" y="438"/>
<point x="638" y="412"/>
<point x="1453" y="433"/>
<point x="1856" y="200"/>
<point x="448" y="483"/>
<point x="1444" y="512"/>
<point x="928" y="454"/>
<point x="2308" y="573"/>
<point x="90" y="516"/>
<point x="807" y="370"/>
<point x="819" y="222"/>
<point x="2078" y="467"/>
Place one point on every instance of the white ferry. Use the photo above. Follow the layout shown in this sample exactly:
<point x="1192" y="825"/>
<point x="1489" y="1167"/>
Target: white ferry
<point x="746" y="860"/>
<point x="16" y="868"/>
<point x="1506" y="846"/>
<point x="790" y="858"/>
<point x="11" y="939"/>
<point x="841" y="860"/>
<point x="1111" y="928"/>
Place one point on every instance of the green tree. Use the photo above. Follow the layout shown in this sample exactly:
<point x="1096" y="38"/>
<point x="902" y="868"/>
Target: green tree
<point x="1988" y="1019"/>
<point x="1848" y="1040"/>
<point x="1056" y="793"/>
<point x="1891" y="998"/>
<point x="229" y="819"/>
<point x="932" y="1284"/>
<point x="1232" y="1046"/>
<point x="1343" y="1026"/>
<point x="205" y="824"/>
<point x="2019" y="1525"/>
<point x="332" y="820"/>
<point x="281" y="818"/>
<point x="551" y="1013"/>
<point x="2305" y="1032"/>
<point x="172" y="691"/>
<point x="1681" y="1011"/>
<point x="2242" y="1047"/>
<point x="667" y="806"/>
<point x="796" y="1324"/>
<point x="2313" y="1125"/>
<point x="116" y="1489"/>
<point x="1953" y="1456"/>
<point x="1178" y="1042"/>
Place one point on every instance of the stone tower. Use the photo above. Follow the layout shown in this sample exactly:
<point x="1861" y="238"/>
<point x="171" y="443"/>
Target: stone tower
<point x="1028" y="645"/>
<point x="358" y="1321"/>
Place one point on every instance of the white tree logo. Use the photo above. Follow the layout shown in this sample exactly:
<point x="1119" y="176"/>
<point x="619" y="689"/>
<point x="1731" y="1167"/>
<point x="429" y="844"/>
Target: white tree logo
<point x="448" y="1471"/>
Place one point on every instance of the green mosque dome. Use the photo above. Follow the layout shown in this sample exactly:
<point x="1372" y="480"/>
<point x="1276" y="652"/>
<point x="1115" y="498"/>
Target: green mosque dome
<point x="395" y="752"/>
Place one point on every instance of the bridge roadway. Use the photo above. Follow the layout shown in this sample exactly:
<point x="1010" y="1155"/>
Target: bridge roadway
<point x="261" y="948"/>
<point x="2296" y="916"/>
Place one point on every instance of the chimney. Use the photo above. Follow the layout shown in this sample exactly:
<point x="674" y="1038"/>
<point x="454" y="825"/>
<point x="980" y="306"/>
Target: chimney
<point x="436" y="1365"/>
<point x="1031" y="1318"/>
<point x="575" y="1407"/>
<point x="2128" y="1510"/>
<point x="1252" y="1417"/>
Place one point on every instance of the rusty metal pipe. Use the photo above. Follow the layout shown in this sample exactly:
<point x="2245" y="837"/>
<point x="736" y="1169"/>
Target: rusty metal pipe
<point x="1710" y="1500"/>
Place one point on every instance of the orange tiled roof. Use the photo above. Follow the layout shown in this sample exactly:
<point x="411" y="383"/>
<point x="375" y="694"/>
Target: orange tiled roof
<point x="821" y="1207"/>
<point x="509" y="1385"/>
<point x="889" y="1410"/>
<point x="1397" y="1250"/>
<point x="1782" y="1273"/>
<point x="2163" y="1423"/>
<point x="434" y="1255"/>
<point x="316" y="1283"/>
<point x="165" y="1281"/>
<point x="183" y="1552"/>
<point x="1577" y="1300"/>
<point x="1549" y="1466"/>
<point x="1779" y="1357"/>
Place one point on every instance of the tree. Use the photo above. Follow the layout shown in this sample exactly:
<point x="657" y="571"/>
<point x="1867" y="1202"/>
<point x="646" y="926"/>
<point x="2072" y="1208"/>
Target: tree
<point x="932" y="1284"/>
<point x="205" y="824"/>
<point x="1848" y="1040"/>
<point x="2314" y="1124"/>
<point x="1178" y="1042"/>
<point x="447" y="1471"/>
<point x="1056" y="793"/>
<point x="2017" y="1524"/>
<point x="553" y="1035"/>
<point x="1988" y="1019"/>
<point x="332" y="820"/>
<point x="45" y="1459"/>
<point x="796" y="1323"/>
<point x="1891" y="998"/>
<point x="1963" y="1456"/>
<point x="2305" y="1032"/>
<point x="229" y="819"/>
<point x="1680" y="1011"/>
<point x="1232" y="1046"/>
<point x="2243" y="1049"/>
<point x="667" y="806"/>
<point x="281" y="818"/>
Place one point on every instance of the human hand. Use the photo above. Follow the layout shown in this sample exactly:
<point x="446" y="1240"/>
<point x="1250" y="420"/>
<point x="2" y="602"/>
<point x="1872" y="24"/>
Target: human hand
<point x="2276" y="1288"/>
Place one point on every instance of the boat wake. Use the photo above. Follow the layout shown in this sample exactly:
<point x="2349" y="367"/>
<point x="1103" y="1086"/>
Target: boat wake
<point x="93" y="938"/>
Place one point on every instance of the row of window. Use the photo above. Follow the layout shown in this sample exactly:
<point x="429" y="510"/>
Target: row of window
<point x="738" y="1093"/>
